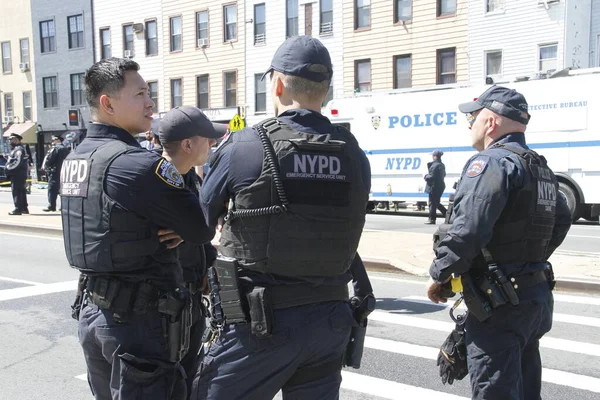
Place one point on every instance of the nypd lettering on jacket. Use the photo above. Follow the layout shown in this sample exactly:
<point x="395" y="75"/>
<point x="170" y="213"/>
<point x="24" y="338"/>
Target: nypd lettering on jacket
<point x="314" y="166"/>
<point x="74" y="178"/>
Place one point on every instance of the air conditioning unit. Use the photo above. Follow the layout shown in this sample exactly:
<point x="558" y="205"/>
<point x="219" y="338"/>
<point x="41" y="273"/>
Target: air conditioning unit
<point x="138" y="28"/>
<point x="7" y="119"/>
<point x="202" y="42"/>
<point x="24" y="66"/>
<point x="546" y="3"/>
<point x="128" y="53"/>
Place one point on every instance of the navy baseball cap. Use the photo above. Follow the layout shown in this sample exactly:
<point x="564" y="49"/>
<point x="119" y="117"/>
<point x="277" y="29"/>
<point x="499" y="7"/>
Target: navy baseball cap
<point x="437" y="153"/>
<point x="501" y="100"/>
<point x="186" y="122"/>
<point x="302" y="56"/>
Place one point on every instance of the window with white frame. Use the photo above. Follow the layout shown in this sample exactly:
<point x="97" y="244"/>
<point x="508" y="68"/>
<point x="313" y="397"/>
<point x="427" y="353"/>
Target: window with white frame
<point x="202" y="91"/>
<point x="6" y="58"/>
<point x="202" y="25"/>
<point x="151" y="38"/>
<point x="548" y="57"/>
<point x="8" y="105"/>
<point x="50" y="92"/>
<point x="176" y="93"/>
<point x="24" y="45"/>
<point x="230" y="80"/>
<point x="291" y="24"/>
<point x="153" y="92"/>
<point x="47" y="36"/>
<point x="494" y="5"/>
<point x="260" y="93"/>
<point x="127" y="39"/>
<point x="176" y="42"/>
<point x="230" y="17"/>
<point x="105" y="49"/>
<point x="493" y="63"/>
<point x="362" y="75"/>
<point x="77" y="98"/>
<point x="27" y="106"/>
<point x="259" y="23"/>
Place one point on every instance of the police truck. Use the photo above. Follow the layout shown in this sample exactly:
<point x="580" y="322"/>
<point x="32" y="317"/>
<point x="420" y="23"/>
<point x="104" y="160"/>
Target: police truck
<point x="399" y="129"/>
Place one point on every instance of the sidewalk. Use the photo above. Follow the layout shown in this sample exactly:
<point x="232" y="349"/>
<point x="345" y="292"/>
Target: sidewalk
<point x="409" y="252"/>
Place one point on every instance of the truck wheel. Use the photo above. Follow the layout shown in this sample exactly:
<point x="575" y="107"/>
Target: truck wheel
<point x="572" y="200"/>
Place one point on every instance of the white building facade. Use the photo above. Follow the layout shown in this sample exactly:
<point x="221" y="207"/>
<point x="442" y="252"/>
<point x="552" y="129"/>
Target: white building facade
<point x="268" y="24"/>
<point x="510" y="38"/>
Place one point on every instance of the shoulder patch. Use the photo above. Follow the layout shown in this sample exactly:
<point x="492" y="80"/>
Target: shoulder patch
<point x="169" y="174"/>
<point x="476" y="168"/>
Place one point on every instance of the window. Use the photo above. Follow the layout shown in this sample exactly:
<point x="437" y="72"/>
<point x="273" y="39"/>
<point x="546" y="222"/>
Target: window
<point x="402" y="71"/>
<point x="329" y="96"/>
<point x="50" y="93"/>
<point x="230" y="79"/>
<point x="446" y="66"/>
<point x="47" y="34"/>
<point x="105" y="43"/>
<point x="259" y="23"/>
<point x="76" y="89"/>
<point x="493" y="63"/>
<point x="176" y="42"/>
<point x="75" y="27"/>
<point x="446" y="7"/>
<point x="26" y="106"/>
<point x="202" y="91"/>
<point x="6" y="60"/>
<point x="362" y="75"/>
<point x="202" y="25"/>
<point x="326" y="16"/>
<point x="128" y="39"/>
<point x="362" y="14"/>
<point x="494" y="5"/>
<point x="151" y="38"/>
<point x="8" y="105"/>
<point x="153" y="92"/>
<point x="24" y="45"/>
<point x="548" y="57"/>
<point x="598" y="50"/>
<point x="230" y="17"/>
<point x="260" y="93"/>
<point x="176" y="90"/>
<point x="402" y="10"/>
<point x="291" y="24"/>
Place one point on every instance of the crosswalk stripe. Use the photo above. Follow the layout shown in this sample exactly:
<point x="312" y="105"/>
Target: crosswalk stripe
<point x="28" y="291"/>
<point x="548" y="375"/>
<point x="557" y="317"/>
<point x="568" y="298"/>
<point x="423" y="323"/>
<point x="391" y="390"/>
<point x="7" y="279"/>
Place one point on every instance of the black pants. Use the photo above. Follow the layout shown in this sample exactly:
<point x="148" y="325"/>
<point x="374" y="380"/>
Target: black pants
<point x="434" y="205"/>
<point x="18" y="185"/>
<point x="53" y="186"/>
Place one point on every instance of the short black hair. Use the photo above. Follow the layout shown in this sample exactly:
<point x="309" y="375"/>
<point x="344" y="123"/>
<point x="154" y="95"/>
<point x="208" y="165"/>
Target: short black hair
<point x="107" y="76"/>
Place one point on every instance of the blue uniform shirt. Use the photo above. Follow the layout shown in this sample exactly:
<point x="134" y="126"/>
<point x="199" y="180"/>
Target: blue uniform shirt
<point x="239" y="162"/>
<point x="486" y="182"/>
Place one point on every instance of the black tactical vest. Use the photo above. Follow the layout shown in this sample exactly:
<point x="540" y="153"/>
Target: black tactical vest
<point x="99" y="235"/>
<point x="524" y="229"/>
<point x="305" y="219"/>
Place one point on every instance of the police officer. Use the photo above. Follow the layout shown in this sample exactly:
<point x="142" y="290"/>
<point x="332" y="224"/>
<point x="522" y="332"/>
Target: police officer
<point x="435" y="185"/>
<point x="507" y="219"/>
<point x="187" y="136"/>
<point x="52" y="165"/>
<point x="124" y="209"/>
<point x="17" y="167"/>
<point x="297" y="188"/>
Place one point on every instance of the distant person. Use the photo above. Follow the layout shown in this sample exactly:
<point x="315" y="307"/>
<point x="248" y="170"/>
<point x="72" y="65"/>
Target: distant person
<point x="17" y="168"/>
<point x="52" y="165"/>
<point x="435" y="185"/>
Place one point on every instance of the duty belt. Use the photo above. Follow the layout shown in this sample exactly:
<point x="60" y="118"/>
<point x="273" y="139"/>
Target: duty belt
<point x="120" y="296"/>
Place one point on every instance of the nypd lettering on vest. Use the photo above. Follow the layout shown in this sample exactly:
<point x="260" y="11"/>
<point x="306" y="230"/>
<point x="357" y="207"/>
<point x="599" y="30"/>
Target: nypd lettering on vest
<point x="74" y="178"/>
<point x="313" y="166"/>
<point x="546" y="189"/>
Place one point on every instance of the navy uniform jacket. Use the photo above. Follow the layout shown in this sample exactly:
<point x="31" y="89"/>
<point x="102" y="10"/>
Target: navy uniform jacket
<point x="239" y="163"/>
<point x="133" y="182"/>
<point x="55" y="159"/>
<point x="480" y="198"/>
<point x="195" y="258"/>
<point x="435" y="176"/>
<point x="16" y="164"/>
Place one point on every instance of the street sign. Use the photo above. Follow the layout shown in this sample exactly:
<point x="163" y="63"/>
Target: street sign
<point x="236" y="123"/>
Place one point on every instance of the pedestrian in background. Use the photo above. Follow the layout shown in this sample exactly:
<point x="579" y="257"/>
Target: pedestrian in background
<point x="17" y="169"/>
<point x="435" y="185"/>
<point x="52" y="164"/>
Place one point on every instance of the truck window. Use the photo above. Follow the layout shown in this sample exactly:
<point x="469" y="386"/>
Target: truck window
<point x="345" y="125"/>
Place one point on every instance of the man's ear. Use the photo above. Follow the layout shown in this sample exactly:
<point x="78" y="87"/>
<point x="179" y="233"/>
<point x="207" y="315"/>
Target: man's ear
<point x="278" y="86"/>
<point x="106" y="104"/>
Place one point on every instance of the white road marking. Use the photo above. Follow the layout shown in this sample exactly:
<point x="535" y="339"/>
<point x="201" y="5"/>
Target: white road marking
<point x="28" y="291"/>
<point x="548" y="375"/>
<point x="571" y="346"/>
<point x="7" y="279"/>
<point x="49" y="237"/>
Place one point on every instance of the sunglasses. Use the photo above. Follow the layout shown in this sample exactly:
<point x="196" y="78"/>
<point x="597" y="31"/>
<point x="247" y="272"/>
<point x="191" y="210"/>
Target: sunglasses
<point x="471" y="117"/>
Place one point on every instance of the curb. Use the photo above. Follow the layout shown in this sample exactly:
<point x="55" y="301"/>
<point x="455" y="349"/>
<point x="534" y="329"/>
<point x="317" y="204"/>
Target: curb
<point x="373" y="263"/>
<point x="29" y="228"/>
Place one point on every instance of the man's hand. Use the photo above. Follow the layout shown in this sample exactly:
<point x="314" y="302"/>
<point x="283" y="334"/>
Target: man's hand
<point x="170" y="238"/>
<point x="434" y="291"/>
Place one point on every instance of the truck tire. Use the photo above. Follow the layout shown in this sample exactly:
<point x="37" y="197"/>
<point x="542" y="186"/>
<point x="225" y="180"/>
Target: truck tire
<point x="572" y="199"/>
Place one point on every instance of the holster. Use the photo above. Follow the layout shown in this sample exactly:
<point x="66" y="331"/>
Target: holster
<point x="177" y="308"/>
<point x="81" y="286"/>
<point x="362" y="308"/>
